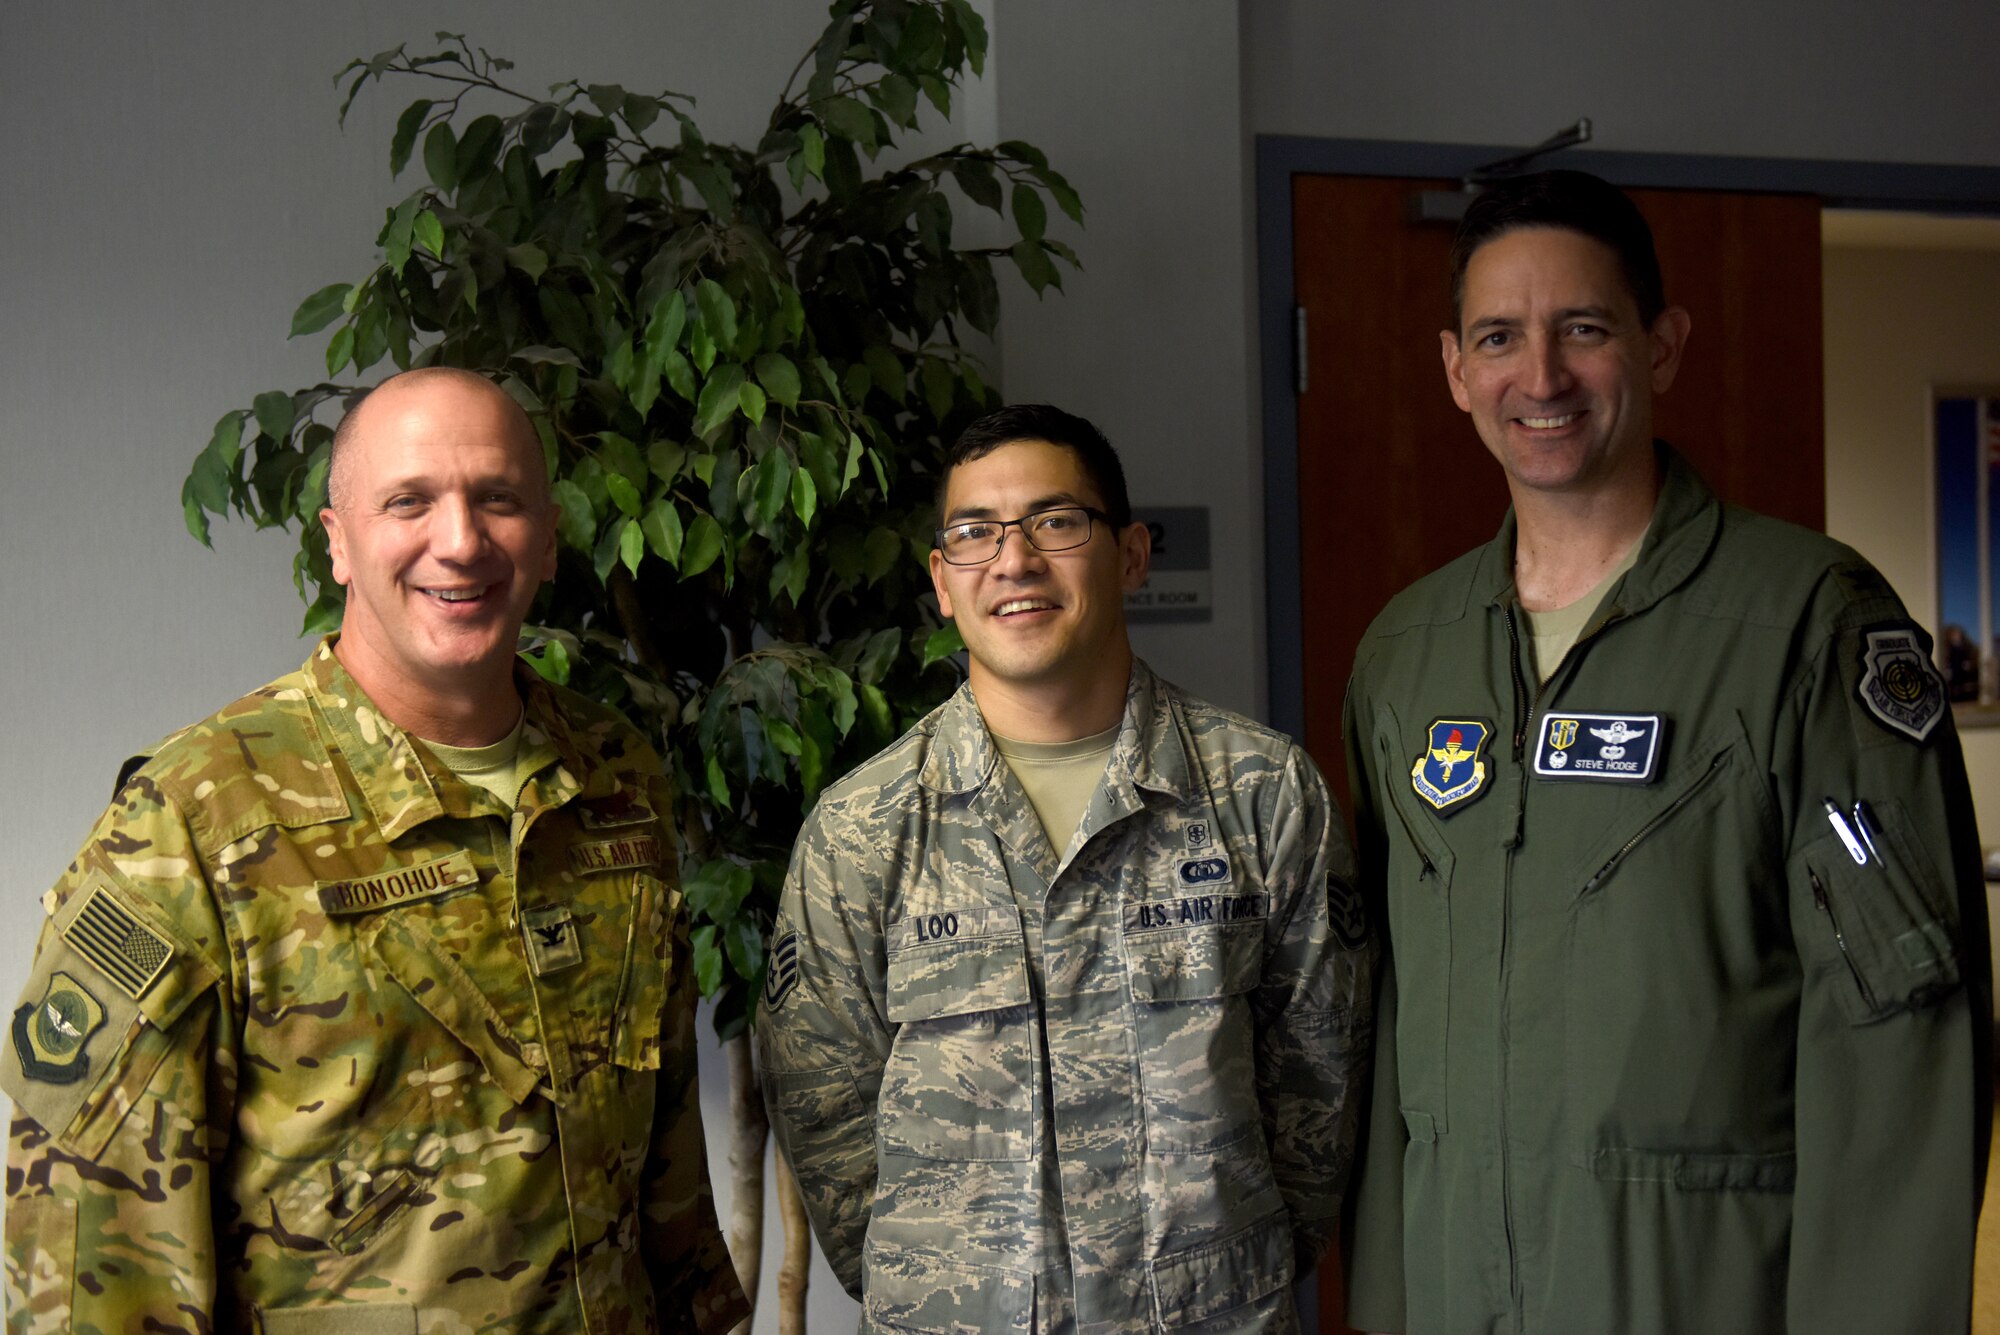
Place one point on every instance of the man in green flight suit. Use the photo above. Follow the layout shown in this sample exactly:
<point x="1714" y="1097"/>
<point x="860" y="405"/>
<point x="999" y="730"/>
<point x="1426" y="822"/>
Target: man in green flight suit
<point x="1688" y="1008"/>
<point x="1068" y="999"/>
<point x="367" y="1007"/>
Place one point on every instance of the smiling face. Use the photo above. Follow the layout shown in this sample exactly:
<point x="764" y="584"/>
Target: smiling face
<point x="1554" y="364"/>
<point x="1047" y="625"/>
<point x="442" y="534"/>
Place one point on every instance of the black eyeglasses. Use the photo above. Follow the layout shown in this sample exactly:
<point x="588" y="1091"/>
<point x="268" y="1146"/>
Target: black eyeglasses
<point x="977" y="541"/>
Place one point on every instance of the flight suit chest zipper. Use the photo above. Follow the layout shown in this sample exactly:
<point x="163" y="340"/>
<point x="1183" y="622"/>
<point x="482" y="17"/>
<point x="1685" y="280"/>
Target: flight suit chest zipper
<point x="1646" y="830"/>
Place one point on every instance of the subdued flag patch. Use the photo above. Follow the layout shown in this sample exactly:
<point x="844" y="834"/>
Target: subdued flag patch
<point x="111" y="937"/>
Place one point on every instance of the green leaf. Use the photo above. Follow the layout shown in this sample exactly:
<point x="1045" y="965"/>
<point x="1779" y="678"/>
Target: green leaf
<point x="225" y="443"/>
<point x="704" y="544"/>
<point x="718" y="782"/>
<point x="701" y="348"/>
<point x="975" y="177"/>
<point x="717" y="888"/>
<point x="943" y="643"/>
<point x="779" y="377"/>
<point x="624" y="495"/>
<point x="789" y="573"/>
<point x="805" y="496"/>
<point x="773" y="484"/>
<point x="274" y="414"/>
<point x="441" y="155"/>
<point x="680" y="375"/>
<point x="476" y="151"/>
<point x="848" y="119"/>
<point x="340" y="349"/>
<point x="879" y="552"/>
<point x="405" y="137"/>
<point x="192" y="513"/>
<point x="631" y="541"/>
<point x="1030" y="214"/>
<point x="887" y="368"/>
<point x="664" y="459"/>
<point x="752" y="400"/>
<point x="812" y="147"/>
<point x="320" y="309"/>
<point x="662" y="527"/>
<point x="721" y="395"/>
<point x="784" y="737"/>
<point x="718" y="312"/>
<point x="940" y="386"/>
<point x="745" y="945"/>
<point x="621" y="456"/>
<point x="852" y="468"/>
<point x="1035" y="265"/>
<point x="708" y="966"/>
<point x="897" y="97"/>
<point x="396" y="237"/>
<point x="552" y="662"/>
<point x="529" y="259"/>
<point x="879" y="655"/>
<point x="639" y="111"/>
<point x="578" y="522"/>
<point x="663" y="331"/>
<point x="875" y="705"/>
<point x="428" y="232"/>
<point x="323" y="617"/>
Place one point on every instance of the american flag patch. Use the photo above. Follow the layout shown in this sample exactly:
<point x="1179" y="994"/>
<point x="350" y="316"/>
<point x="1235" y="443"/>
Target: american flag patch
<point x="130" y="953"/>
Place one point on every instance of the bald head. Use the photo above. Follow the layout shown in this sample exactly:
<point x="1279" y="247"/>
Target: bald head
<point x="402" y="388"/>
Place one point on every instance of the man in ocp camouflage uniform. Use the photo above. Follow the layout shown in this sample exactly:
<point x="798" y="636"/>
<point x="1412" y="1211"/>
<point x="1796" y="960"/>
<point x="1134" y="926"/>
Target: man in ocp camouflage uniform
<point x="367" y="1005"/>
<point x="1069" y="990"/>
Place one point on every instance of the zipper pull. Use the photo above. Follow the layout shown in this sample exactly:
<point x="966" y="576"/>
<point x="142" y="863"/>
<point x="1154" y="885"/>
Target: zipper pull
<point x="1819" y="895"/>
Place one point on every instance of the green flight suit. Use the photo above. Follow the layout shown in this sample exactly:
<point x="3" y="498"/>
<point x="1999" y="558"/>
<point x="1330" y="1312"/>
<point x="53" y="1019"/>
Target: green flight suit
<point x="1108" y="1089"/>
<point x="321" y="1040"/>
<point x="1655" y="1054"/>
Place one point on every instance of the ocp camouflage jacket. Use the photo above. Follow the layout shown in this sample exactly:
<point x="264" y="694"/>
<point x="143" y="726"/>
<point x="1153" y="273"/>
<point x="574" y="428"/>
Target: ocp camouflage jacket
<point x="320" y="1038"/>
<point x="1111" y="1090"/>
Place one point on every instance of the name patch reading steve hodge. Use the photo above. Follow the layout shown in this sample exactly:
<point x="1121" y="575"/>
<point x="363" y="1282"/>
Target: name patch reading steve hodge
<point x="641" y="850"/>
<point x="399" y="885"/>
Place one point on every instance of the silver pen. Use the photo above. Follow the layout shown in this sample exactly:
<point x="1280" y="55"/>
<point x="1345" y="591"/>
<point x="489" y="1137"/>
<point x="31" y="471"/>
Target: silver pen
<point x="1838" y="820"/>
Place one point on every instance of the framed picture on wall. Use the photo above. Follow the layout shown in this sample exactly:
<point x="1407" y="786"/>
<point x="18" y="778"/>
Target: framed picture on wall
<point x="1965" y="433"/>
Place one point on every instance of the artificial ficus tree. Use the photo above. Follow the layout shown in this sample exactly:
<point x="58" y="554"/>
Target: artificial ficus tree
<point x="744" y="364"/>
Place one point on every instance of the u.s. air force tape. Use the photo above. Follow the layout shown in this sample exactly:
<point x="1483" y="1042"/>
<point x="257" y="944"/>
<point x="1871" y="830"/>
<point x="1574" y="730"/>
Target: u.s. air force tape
<point x="111" y="937"/>
<point x="397" y="885"/>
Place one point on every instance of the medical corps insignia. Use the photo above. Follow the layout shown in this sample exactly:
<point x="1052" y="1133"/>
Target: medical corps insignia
<point x="49" y="1034"/>
<point x="1450" y="773"/>
<point x="1898" y="684"/>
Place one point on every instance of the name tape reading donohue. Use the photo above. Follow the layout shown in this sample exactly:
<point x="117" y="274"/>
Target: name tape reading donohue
<point x="399" y="885"/>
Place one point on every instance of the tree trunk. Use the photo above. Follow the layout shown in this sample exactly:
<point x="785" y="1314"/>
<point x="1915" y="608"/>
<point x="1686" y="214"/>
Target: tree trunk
<point x="795" y="1271"/>
<point x="750" y="1129"/>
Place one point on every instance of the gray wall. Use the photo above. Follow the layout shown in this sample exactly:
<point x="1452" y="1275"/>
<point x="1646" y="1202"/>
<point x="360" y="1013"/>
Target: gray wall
<point x="175" y="183"/>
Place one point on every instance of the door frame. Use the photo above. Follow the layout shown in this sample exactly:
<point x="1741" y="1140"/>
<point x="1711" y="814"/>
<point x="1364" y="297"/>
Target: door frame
<point x="1911" y="187"/>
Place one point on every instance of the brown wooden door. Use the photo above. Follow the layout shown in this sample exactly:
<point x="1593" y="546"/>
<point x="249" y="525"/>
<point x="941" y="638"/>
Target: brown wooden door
<point x="1394" y="482"/>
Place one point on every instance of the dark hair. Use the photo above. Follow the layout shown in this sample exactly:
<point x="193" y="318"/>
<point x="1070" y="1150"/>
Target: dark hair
<point x="1572" y="200"/>
<point x="1039" y="421"/>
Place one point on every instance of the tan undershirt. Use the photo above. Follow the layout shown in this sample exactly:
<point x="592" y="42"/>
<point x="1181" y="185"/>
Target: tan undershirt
<point x="495" y="768"/>
<point x="1059" y="778"/>
<point x="1554" y="632"/>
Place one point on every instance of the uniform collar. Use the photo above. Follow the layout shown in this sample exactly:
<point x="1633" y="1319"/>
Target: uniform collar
<point x="1686" y="518"/>
<point x="402" y="791"/>
<point x="1149" y="753"/>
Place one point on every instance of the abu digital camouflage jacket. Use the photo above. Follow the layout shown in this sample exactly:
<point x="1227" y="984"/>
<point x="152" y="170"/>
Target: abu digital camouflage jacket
<point x="320" y="1038"/>
<point x="1113" y="1089"/>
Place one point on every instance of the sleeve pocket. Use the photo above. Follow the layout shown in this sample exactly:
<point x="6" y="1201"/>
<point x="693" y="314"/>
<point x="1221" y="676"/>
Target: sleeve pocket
<point x="1887" y="921"/>
<point x="41" y="1263"/>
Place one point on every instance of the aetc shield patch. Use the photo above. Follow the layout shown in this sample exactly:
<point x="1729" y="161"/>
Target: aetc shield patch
<point x="1450" y="772"/>
<point x="49" y="1035"/>
<point x="1898" y="684"/>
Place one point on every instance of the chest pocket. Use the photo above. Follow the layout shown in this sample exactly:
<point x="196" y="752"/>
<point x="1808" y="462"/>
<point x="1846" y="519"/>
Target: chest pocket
<point x="960" y="1081"/>
<point x="1418" y="886"/>
<point x="1190" y="989"/>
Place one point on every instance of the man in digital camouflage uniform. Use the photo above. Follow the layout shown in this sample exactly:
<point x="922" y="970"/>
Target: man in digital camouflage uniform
<point x="1687" y="1009"/>
<point x="1069" y="988"/>
<point x="366" y="1008"/>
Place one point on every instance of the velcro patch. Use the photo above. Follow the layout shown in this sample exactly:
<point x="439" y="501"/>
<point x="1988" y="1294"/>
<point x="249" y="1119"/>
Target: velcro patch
<point x="111" y="937"/>
<point x="1620" y="748"/>
<point x="924" y="929"/>
<point x="640" y="850"/>
<point x="1899" y="685"/>
<point x="781" y="971"/>
<point x="397" y="886"/>
<point x="1194" y="910"/>
<point x="1347" y="914"/>
<point x="1209" y="871"/>
<point x="551" y="936"/>
<point x="619" y="809"/>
